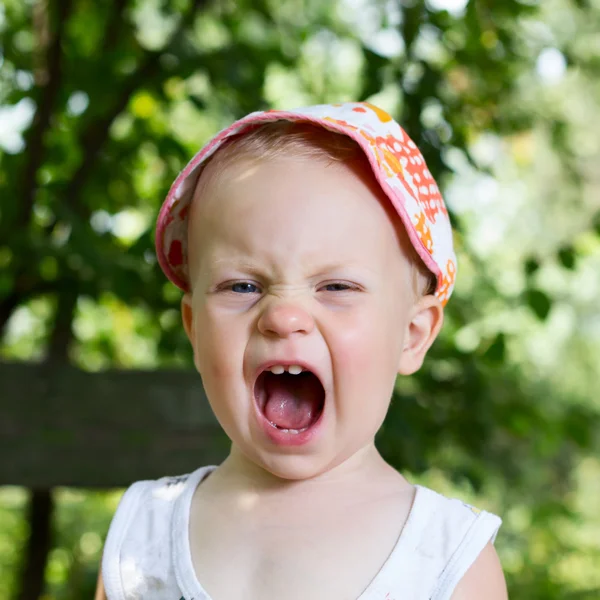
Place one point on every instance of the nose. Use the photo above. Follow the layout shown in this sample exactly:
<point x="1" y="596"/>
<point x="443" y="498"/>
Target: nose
<point x="284" y="320"/>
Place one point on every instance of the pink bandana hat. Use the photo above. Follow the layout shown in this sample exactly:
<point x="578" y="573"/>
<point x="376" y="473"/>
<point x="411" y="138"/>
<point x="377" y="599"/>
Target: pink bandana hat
<point x="397" y="164"/>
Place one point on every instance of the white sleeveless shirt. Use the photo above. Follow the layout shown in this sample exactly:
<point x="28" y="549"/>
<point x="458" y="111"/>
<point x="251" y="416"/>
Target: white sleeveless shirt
<point x="147" y="552"/>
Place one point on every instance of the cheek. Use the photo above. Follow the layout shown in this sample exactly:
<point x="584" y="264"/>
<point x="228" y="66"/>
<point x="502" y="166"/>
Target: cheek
<point x="365" y="368"/>
<point x="217" y="347"/>
<point x="369" y="342"/>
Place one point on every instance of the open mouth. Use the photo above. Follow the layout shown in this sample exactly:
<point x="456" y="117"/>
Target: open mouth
<point x="290" y="403"/>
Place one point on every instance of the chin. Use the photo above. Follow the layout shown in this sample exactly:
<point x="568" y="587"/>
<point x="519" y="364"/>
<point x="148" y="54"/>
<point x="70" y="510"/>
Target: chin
<point x="294" y="468"/>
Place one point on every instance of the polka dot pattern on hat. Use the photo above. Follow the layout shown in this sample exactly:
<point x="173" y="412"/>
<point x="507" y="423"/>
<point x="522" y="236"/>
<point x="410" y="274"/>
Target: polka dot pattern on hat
<point x="397" y="164"/>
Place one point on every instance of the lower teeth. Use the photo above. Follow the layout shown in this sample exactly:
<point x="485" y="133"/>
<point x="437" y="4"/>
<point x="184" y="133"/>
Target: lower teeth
<point x="294" y="431"/>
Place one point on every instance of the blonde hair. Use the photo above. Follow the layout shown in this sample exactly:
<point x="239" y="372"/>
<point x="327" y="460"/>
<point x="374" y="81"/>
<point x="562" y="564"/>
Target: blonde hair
<point x="304" y="140"/>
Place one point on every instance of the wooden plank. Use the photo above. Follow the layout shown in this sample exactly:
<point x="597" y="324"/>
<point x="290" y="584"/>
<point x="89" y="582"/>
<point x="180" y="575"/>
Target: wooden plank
<point x="62" y="426"/>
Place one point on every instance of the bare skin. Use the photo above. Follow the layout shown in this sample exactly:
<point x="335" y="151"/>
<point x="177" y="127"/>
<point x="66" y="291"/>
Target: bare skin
<point x="100" y="593"/>
<point x="322" y="539"/>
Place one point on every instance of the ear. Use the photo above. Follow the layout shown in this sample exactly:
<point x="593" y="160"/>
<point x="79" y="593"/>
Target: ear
<point x="423" y="328"/>
<point x="187" y="316"/>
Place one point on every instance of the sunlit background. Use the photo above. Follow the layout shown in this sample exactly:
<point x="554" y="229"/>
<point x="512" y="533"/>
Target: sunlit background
<point x="502" y="97"/>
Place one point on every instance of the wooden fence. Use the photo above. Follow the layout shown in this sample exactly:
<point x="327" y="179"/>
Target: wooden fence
<point x="60" y="426"/>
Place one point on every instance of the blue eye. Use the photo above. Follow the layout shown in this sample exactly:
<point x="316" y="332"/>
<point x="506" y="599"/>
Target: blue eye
<point x="243" y="287"/>
<point x="339" y="287"/>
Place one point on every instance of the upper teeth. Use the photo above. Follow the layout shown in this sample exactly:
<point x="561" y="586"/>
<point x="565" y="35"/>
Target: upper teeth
<point x="292" y="369"/>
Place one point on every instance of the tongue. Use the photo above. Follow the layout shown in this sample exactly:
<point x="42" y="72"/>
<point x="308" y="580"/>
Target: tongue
<point x="293" y="401"/>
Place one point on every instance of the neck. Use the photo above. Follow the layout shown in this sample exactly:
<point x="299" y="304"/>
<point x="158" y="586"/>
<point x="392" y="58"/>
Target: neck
<point x="241" y="473"/>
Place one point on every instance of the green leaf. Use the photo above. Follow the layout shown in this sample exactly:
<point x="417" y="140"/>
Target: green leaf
<point x="596" y="225"/>
<point x="531" y="266"/>
<point x="539" y="302"/>
<point x="496" y="352"/>
<point x="566" y="256"/>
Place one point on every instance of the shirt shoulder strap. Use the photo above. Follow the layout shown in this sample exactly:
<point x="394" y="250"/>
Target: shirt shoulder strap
<point x="457" y="532"/>
<point x="137" y="558"/>
<point x="441" y="539"/>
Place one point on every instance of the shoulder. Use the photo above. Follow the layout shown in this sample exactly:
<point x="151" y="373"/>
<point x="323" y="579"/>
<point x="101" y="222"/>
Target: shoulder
<point x="483" y="579"/>
<point x="143" y="505"/>
<point x="461" y="538"/>
<point x="138" y="548"/>
<point x="146" y="504"/>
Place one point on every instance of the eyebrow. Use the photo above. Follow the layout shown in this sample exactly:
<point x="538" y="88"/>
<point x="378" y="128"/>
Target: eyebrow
<point x="242" y="264"/>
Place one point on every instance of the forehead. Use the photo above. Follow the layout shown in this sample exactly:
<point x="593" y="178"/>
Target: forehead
<point x="288" y="209"/>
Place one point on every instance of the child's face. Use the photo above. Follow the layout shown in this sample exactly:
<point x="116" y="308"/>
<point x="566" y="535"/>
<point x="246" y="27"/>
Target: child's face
<point x="284" y="231"/>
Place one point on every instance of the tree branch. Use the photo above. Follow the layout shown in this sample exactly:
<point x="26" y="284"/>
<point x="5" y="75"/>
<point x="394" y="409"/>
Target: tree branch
<point x="50" y="80"/>
<point x="41" y="505"/>
<point x="39" y="518"/>
<point x="114" y="25"/>
<point x="7" y="306"/>
<point x="94" y="137"/>
<point x="22" y="291"/>
<point x="91" y="141"/>
<point x="62" y="332"/>
<point x="49" y="76"/>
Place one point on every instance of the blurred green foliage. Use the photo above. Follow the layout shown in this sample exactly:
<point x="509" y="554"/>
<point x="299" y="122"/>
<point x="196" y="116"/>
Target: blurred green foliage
<point x="102" y="103"/>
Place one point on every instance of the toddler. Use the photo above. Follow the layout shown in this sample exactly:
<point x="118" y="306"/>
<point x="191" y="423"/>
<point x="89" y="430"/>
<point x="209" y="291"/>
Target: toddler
<point x="315" y="253"/>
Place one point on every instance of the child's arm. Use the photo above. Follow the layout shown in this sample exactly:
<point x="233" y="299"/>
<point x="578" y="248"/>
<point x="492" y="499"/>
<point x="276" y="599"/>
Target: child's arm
<point x="100" y="595"/>
<point x="484" y="579"/>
